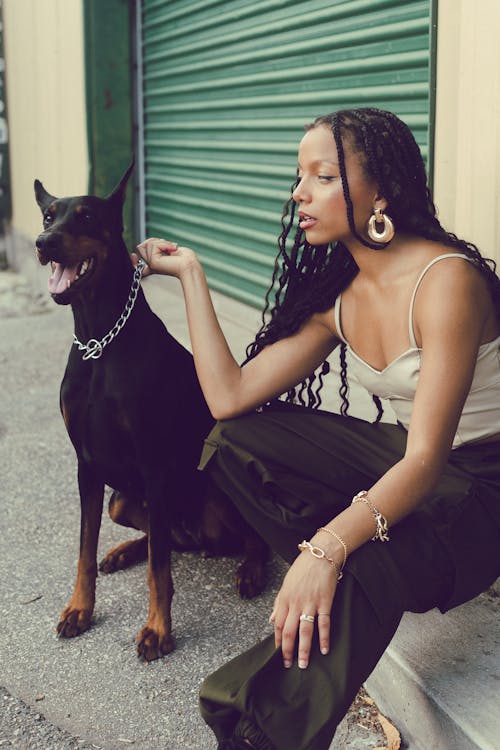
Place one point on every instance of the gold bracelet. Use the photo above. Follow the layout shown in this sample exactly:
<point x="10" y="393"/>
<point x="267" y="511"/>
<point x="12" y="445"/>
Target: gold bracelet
<point x="339" y="539"/>
<point x="382" y="530"/>
<point x="320" y="554"/>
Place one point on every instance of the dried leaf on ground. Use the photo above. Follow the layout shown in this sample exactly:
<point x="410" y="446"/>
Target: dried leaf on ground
<point x="377" y="732"/>
<point x="391" y="733"/>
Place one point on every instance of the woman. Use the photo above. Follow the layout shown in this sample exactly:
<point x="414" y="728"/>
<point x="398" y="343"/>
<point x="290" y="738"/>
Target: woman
<point x="374" y="518"/>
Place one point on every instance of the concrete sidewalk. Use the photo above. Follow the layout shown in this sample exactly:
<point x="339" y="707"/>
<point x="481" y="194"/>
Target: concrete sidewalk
<point x="438" y="680"/>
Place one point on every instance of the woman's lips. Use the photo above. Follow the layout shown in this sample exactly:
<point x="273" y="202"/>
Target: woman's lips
<point x="306" y="221"/>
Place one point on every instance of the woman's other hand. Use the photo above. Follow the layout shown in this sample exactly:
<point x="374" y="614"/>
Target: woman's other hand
<point x="308" y="589"/>
<point x="165" y="257"/>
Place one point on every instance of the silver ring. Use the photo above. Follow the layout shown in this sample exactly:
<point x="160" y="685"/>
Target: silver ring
<point x="306" y="618"/>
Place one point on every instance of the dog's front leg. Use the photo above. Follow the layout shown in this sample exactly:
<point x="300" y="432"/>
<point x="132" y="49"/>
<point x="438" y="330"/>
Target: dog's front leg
<point x="75" y="619"/>
<point x="155" y="638"/>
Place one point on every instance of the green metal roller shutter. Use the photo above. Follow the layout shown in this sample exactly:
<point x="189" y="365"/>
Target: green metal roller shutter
<point x="227" y="89"/>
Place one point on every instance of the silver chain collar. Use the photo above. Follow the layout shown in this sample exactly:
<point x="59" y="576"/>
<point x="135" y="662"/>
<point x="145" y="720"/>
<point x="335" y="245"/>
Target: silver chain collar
<point x="93" y="348"/>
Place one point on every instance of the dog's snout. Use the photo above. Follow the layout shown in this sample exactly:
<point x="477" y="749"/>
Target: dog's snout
<point x="48" y="241"/>
<point x="47" y="246"/>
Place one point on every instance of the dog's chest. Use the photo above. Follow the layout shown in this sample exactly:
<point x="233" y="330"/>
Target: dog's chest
<point x="99" y="417"/>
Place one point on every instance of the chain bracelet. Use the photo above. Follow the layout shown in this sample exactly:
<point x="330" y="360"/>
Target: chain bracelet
<point x="320" y="554"/>
<point x="382" y="526"/>
<point x="94" y="348"/>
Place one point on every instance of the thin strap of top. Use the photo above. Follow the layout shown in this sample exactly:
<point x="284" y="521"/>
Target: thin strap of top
<point x="336" y="312"/>
<point x="411" y="332"/>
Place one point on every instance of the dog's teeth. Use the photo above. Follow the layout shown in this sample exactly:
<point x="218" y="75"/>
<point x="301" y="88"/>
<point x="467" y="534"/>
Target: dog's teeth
<point x="68" y="283"/>
<point x="83" y="268"/>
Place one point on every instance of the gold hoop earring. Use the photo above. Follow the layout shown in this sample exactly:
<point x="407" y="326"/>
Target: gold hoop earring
<point x="387" y="233"/>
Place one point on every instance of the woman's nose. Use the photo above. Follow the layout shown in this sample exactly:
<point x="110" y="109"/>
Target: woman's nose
<point x="299" y="193"/>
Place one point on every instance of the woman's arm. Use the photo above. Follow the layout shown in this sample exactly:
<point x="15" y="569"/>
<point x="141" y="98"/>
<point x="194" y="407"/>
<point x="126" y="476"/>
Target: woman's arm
<point x="228" y="388"/>
<point x="452" y="312"/>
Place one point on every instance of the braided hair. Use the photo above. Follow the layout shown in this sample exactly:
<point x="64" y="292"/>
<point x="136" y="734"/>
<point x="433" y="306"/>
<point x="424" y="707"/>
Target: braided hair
<point x="307" y="279"/>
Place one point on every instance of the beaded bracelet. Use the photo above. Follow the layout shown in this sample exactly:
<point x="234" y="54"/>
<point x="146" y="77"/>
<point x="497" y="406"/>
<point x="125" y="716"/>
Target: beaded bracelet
<point x="339" y="539"/>
<point x="320" y="554"/>
<point x="382" y="531"/>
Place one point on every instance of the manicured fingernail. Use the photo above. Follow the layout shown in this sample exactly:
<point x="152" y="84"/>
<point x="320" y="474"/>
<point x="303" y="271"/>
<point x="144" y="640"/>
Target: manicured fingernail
<point x="287" y="663"/>
<point x="302" y="664"/>
<point x="324" y="650"/>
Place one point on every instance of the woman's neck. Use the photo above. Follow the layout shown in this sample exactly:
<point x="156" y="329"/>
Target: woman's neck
<point x="402" y="252"/>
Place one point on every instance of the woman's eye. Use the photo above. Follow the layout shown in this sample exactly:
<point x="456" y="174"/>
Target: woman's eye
<point x="326" y="178"/>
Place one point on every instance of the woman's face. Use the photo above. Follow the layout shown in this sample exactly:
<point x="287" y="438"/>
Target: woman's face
<point x="319" y="195"/>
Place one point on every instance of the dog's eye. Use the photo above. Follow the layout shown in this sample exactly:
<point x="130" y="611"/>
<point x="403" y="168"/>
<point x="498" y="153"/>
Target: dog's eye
<point x="47" y="219"/>
<point x="86" y="216"/>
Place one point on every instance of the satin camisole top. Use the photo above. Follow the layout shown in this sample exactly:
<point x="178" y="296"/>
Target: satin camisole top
<point x="398" y="381"/>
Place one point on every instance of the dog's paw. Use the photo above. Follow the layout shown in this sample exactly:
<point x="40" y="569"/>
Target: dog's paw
<point x="125" y="555"/>
<point x="250" y="579"/>
<point x="151" y="646"/>
<point x="73" y="622"/>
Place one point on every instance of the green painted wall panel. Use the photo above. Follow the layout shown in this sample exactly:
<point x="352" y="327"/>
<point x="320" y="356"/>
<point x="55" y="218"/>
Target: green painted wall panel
<point x="227" y="89"/>
<point x="109" y="86"/>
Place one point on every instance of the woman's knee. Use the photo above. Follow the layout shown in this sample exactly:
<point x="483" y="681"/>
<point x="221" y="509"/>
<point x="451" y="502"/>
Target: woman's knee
<point x="233" y="431"/>
<point x="231" y="443"/>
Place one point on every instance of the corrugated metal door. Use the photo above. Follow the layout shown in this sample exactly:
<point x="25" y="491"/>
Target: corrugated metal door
<point x="227" y="88"/>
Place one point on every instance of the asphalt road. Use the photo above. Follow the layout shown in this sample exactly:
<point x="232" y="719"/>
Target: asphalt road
<point x="92" y="691"/>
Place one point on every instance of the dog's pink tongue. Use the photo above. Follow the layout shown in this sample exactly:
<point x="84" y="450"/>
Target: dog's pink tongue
<point x="58" y="282"/>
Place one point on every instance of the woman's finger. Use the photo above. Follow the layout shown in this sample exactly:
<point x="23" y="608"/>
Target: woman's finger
<point x="307" y="623"/>
<point x="135" y="259"/>
<point x="289" y="637"/>
<point x="156" y="247"/>
<point x="279" y="618"/>
<point x="324" y="628"/>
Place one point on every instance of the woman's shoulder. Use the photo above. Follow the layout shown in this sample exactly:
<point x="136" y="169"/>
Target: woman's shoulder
<point x="426" y="252"/>
<point x="451" y="281"/>
<point x="435" y="264"/>
<point x="447" y="265"/>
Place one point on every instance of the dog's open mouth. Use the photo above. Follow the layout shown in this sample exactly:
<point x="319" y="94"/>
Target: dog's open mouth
<point x="64" y="277"/>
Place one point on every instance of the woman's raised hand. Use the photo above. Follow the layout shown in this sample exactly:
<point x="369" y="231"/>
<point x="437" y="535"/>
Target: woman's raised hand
<point x="308" y="590"/>
<point x="165" y="257"/>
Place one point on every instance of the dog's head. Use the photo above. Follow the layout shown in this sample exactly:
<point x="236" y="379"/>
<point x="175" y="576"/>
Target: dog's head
<point x="77" y="238"/>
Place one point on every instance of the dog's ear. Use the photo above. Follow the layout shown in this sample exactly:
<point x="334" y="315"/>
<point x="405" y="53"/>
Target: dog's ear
<point x="117" y="196"/>
<point x="43" y="198"/>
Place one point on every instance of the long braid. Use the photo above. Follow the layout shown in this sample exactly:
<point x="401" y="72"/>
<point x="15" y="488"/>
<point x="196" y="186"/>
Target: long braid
<point x="344" y="387"/>
<point x="307" y="279"/>
<point x="345" y="187"/>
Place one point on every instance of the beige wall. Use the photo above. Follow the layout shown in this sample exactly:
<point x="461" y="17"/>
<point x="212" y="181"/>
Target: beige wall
<point x="467" y="153"/>
<point x="46" y="102"/>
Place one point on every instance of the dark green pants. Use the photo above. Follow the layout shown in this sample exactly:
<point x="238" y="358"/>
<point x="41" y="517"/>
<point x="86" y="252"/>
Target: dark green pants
<point x="289" y="470"/>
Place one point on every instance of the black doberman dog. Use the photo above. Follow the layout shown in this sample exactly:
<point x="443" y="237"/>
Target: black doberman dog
<point x="136" y="416"/>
